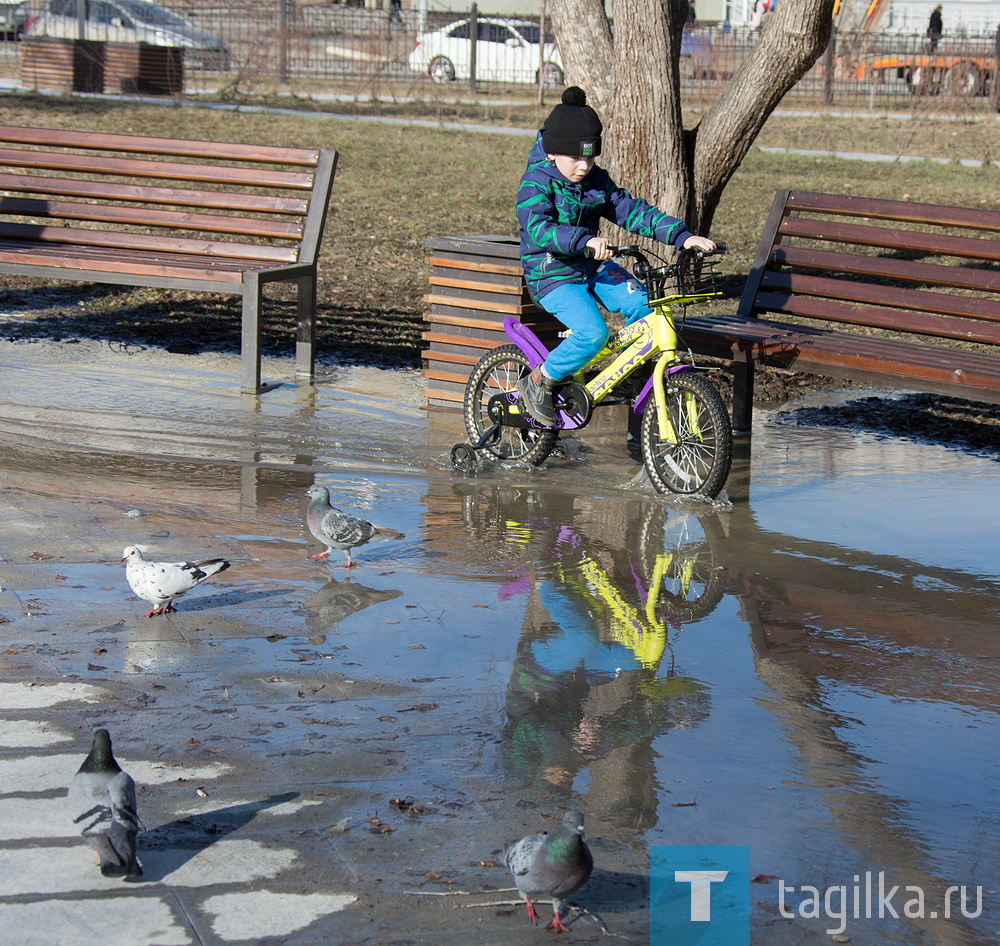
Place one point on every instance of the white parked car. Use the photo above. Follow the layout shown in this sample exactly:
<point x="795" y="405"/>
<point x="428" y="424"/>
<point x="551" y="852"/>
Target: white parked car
<point x="131" y="21"/>
<point x="507" y="51"/>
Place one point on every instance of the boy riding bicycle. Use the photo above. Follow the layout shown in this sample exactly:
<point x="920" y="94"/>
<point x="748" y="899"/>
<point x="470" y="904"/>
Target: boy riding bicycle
<point x="561" y="199"/>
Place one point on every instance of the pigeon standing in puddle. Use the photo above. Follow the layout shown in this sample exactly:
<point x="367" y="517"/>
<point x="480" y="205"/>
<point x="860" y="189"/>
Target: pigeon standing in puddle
<point x="551" y="866"/>
<point x="160" y="583"/>
<point x="101" y="802"/>
<point x="340" y="530"/>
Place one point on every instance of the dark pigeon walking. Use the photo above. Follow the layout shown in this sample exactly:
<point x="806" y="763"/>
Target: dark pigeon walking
<point x="160" y="583"/>
<point x="101" y="802"/>
<point x="551" y="867"/>
<point x="340" y="530"/>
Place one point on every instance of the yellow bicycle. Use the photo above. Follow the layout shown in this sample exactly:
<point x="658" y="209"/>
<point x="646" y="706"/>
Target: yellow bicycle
<point x="686" y="435"/>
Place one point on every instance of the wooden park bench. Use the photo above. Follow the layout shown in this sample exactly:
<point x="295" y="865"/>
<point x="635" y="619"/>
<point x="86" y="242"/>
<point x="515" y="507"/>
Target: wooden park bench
<point x="168" y="213"/>
<point x="877" y="291"/>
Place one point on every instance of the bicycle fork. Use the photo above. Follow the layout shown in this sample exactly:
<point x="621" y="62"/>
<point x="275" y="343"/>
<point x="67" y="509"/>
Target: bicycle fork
<point x="663" y="422"/>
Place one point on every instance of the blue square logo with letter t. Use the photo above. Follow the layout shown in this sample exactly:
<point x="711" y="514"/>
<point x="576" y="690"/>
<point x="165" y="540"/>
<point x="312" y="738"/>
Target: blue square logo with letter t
<point x="700" y="896"/>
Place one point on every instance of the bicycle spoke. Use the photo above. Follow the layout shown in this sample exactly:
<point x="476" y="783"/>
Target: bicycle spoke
<point x="498" y="371"/>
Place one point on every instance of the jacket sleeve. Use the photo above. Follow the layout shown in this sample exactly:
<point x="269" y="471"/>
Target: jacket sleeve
<point x="636" y="216"/>
<point x="536" y="214"/>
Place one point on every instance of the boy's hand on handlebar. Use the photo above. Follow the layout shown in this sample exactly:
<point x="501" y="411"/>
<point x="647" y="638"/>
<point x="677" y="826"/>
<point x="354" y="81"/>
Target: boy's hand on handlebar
<point x="597" y="248"/>
<point x="699" y="243"/>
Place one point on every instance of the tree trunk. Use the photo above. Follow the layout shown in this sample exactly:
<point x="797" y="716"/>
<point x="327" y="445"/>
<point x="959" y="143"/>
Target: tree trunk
<point x="583" y="35"/>
<point x="792" y="39"/>
<point x="633" y="81"/>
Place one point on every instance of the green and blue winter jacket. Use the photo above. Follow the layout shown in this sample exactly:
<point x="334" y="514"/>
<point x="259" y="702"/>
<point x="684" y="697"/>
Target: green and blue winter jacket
<point x="558" y="217"/>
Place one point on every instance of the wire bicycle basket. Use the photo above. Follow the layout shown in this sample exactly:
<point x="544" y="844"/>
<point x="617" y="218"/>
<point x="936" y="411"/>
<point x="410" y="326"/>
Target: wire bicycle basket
<point x="692" y="278"/>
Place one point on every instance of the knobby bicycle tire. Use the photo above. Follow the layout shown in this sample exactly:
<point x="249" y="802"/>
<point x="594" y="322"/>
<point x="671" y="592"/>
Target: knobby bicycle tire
<point x="495" y="372"/>
<point x="698" y="463"/>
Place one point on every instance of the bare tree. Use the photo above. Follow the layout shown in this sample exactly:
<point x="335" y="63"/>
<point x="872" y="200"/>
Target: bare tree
<point x="633" y="80"/>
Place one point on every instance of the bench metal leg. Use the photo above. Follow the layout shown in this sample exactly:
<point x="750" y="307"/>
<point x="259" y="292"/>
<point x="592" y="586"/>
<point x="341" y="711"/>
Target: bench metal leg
<point x="305" y="336"/>
<point x="743" y="377"/>
<point x="250" y="343"/>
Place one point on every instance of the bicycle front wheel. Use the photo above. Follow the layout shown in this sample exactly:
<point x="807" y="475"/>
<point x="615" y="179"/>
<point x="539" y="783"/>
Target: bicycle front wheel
<point x="498" y="371"/>
<point x="697" y="460"/>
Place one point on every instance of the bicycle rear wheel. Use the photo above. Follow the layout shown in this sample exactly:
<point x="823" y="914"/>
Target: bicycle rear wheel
<point x="698" y="462"/>
<point x="498" y="371"/>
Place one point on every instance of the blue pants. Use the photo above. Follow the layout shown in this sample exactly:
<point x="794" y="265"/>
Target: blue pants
<point x="575" y="305"/>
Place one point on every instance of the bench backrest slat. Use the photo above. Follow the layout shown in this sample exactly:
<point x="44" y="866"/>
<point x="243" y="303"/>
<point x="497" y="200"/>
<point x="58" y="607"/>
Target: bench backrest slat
<point x="161" y="170"/>
<point x="877" y="317"/>
<point x="139" y="241"/>
<point x="901" y="210"/>
<point x="150" y="217"/>
<point x="152" y="194"/>
<point x="893" y="266"/>
<point x="891" y="238"/>
<point x="140" y="144"/>
<point x="915" y="300"/>
<point x="958" y="277"/>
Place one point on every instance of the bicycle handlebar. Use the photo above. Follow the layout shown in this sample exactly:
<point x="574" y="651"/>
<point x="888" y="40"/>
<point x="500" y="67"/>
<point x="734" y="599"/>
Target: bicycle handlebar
<point x="721" y="249"/>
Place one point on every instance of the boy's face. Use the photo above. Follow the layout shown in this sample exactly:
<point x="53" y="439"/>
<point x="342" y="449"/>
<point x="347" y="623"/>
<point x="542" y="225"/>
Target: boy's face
<point x="572" y="167"/>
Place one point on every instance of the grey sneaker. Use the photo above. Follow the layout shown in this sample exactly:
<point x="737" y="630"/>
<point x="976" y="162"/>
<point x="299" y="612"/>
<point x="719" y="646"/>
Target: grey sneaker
<point x="536" y="393"/>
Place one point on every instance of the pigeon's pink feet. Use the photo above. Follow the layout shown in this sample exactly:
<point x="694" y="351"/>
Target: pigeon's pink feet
<point x="557" y="924"/>
<point x="532" y="915"/>
<point x="321" y="554"/>
<point x="164" y="610"/>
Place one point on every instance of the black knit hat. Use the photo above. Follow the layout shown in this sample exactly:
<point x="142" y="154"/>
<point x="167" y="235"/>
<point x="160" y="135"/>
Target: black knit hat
<point x="573" y="127"/>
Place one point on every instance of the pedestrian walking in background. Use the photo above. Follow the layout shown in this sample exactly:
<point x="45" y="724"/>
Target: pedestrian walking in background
<point x="934" y="28"/>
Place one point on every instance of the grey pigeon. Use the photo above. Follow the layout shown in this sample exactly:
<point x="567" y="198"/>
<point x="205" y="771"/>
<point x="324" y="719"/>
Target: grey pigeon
<point x="551" y="867"/>
<point x="160" y="583"/>
<point x="101" y="802"/>
<point x="340" y="530"/>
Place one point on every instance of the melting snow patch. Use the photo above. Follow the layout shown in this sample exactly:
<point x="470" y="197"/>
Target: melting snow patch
<point x="224" y="862"/>
<point x="23" y="818"/>
<point x="107" y="921"/>
<point x="26" y="696"/>
<point x="29" y="734"/>
<point x="45" y="772"/>
<point x="256" y="914"/>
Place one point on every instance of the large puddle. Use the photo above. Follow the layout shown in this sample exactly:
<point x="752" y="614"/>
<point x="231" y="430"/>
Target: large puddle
<point x="812" y="674"/>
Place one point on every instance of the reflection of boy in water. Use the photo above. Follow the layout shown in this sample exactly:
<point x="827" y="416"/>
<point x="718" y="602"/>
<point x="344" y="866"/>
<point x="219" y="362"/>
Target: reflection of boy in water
<point x="576" y="704"/>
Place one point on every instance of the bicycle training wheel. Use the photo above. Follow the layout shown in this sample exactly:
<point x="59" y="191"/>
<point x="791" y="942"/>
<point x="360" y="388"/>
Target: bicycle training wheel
<point x="697" y="463"/>
<point x="498" y="371"/>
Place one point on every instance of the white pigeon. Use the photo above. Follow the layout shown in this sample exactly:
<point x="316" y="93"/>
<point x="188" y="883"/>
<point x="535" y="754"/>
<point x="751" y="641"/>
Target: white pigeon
<point x="160" y="583"/>
<point x="551" y="866"/>
<point x="340" y="530"/>
<point x="101" y="801"/>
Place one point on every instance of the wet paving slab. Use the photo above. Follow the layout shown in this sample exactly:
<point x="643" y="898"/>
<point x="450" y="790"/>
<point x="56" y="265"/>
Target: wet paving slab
<point x="806" y="677"/>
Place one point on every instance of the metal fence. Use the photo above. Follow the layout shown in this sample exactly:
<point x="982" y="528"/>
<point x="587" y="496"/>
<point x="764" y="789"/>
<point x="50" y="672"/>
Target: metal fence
<point x="305" y="44"/>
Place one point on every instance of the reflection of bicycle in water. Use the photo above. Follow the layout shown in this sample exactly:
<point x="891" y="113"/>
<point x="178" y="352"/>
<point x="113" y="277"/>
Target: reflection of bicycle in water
<point x="639" y="578"/>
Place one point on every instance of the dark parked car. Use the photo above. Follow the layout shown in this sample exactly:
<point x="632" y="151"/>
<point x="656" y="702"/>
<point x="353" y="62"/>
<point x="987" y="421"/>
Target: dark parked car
<point x="132" y="21"/>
